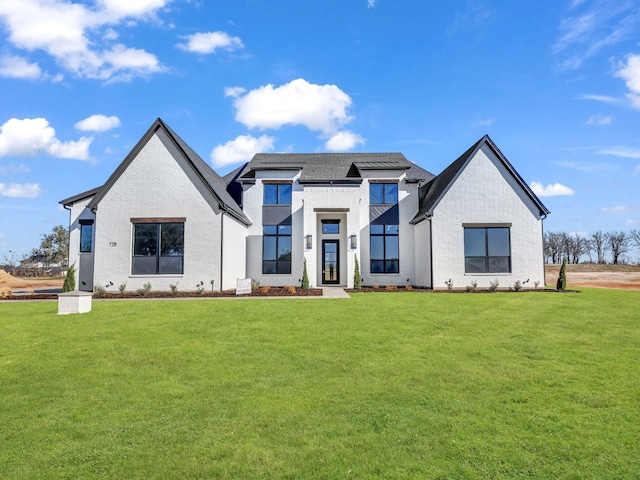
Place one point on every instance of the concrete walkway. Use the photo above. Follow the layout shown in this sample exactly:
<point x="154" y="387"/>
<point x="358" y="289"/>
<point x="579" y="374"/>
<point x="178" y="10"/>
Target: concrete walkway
<point x="334" y="292"/>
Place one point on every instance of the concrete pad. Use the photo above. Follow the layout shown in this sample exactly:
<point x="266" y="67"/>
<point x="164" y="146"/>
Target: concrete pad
<point x="74" y="302"/>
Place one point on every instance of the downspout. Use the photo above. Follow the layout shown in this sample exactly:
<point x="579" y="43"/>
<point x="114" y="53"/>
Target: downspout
<point x="221" y="247"/>
<point x="544" y="269"/>
<point x="430" y="251"/>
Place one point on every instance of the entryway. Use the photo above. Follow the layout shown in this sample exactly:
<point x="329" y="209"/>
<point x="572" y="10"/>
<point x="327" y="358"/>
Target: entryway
<point x="330" y="262"/>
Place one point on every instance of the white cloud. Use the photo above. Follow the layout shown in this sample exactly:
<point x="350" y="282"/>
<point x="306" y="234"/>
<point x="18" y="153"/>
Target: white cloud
<point x="234" y="91"/>
<point x="18" y="67"/>
<point x="209" y="42"/>
<point x="487" y="122"/>
<point x="34" y="136"/>
<point x="343" y="141"/>
<point x="551" y="190"/>
<point x="318" y="107"/>
<point x="621" y="151"/>
<point x="590" y="30"/>
<point x="20" y="190"/>
<point x="74" y="34"/>
<point x="630" y="72"/>
<point x="599" y="120"/>
<point x="619" y="210"/>
<point x="242" y="149"/>
<point x="371" y="3"/>
<point x="13" y="169"/>
<point x="98" y="123"/>
<point x="603" y="99"/>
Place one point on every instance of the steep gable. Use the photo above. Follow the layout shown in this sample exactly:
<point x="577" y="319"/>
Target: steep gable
<point x="434" y="191"/>
<point x="212" y="181"/>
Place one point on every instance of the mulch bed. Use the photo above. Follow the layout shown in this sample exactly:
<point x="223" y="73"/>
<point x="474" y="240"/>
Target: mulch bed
<point x="259" y="292"/>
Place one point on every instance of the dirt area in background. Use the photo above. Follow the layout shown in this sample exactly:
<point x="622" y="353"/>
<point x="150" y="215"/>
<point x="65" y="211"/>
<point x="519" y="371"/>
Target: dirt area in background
<point x="622" y="277"/>
<point x="10" y="282"/>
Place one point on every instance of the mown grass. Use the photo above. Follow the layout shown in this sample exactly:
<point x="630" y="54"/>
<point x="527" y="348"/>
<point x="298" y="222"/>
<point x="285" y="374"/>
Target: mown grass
<point x="385" y="385"/>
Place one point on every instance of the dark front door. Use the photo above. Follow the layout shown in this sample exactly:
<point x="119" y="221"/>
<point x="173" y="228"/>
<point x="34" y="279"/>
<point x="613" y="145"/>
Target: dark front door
<point x="330" y="261"/>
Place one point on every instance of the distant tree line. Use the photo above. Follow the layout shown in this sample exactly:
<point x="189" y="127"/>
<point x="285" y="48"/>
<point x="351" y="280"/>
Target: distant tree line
<point x="51" y="257"/>
<point x="598" y="247"/>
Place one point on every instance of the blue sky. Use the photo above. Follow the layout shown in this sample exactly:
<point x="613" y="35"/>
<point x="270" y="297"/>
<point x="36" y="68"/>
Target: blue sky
<point x="556" y="84"/>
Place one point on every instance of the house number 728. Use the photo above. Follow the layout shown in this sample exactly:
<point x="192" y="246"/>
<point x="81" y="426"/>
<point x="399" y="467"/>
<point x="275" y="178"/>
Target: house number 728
<point x="113" y="244"/>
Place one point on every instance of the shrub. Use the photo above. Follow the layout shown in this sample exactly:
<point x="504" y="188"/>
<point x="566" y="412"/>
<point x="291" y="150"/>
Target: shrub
<point x="357" y="278"/>
<point x="376" y="286"/>
<point x="99" y="290"/>
<point x="472" y="287"/>
<point x="290" y="290"/>
<point x="562" y="277"/>
<point x="408" y="288"/>
<point x="174" y="289"/>
<point x="264" y="290"/>
<point x="122" y="288"/>
<point x="493" y="286"/>
<point x="200" y="288"/>
<point x="70" y="279"/>
<point x="517" y="285"/>
<point x="255" y="285"/>
<point x="449" y="284"/>
<point x="305" y="278"/>
<point x="391" y="288"/>
<point x="145" y="290"/>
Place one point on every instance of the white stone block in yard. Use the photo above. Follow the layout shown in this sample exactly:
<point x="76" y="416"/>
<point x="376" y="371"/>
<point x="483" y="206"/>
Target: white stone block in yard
<point x="74" y="302"/>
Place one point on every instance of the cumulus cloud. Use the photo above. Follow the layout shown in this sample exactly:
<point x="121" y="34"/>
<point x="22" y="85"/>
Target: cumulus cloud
<point x="599" y="120"/>
<point x="320" y="108"/>
<point x="371" y="3"/>
<point x="209" y="42"/>
<point x="18" y="67"/>
<point x="34" y="136"/>
<point x="20" y="190"/>
<point x="551" y="190"/>
<point x="98" y="123"/>
<point x="242" y="149"/>
<point x="630" y="72"/>
<point x="77" y="35"/>
<point x="343" y="141"/>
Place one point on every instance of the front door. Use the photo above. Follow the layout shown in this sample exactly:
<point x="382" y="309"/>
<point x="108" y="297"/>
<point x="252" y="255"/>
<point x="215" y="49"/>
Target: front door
<point x="330" y="261"/>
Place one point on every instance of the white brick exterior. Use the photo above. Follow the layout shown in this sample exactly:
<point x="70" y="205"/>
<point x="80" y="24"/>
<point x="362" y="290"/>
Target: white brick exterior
<point x="159" y="180"/>
<point x="485" y="192"/>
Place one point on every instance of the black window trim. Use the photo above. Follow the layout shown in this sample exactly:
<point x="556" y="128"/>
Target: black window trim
<point x="384" y="260"/>
<point x="486" y="227"/>
<point x="84" y="223"/>
<point x="158" y="222"/>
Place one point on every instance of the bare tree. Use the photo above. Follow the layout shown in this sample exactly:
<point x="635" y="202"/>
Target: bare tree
<point x="599" y="243"/>
<point x="635" y="236"/>
<point x="619" y="243"/>
<point x="553" y="247"/>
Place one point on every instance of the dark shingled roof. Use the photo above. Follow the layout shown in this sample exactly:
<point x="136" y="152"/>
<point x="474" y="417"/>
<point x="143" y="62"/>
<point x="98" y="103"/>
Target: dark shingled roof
<point x="333" y="167"/>
<point x="78" y="197"/>
<point x="211" y="179"/>
<point x="432" y="192"/>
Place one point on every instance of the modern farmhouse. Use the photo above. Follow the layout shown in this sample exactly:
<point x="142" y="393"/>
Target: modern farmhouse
<point x="166" y="217"/>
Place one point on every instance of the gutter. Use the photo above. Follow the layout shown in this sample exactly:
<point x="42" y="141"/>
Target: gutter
<point x="221" y="247"/>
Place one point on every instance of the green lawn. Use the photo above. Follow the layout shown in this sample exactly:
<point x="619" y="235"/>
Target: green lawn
<point x="385" y="385"/>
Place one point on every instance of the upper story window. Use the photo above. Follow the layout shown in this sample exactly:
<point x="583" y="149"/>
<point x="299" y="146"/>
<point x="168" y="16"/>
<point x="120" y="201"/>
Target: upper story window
<point x="86" y="236"/>
<point x="383" y="193"/>
<point x="487" y="250"/>
<point x="277" y="194"/>
<point x="158" y="248"/>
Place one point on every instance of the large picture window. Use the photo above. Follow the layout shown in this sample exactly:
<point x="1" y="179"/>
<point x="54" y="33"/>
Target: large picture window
<point x="277" y="194"/>
<point x="487" y="250"/>
<point x="158" y="248"/>
<point x="276" y="249"/>
<point x="385" y="253"/>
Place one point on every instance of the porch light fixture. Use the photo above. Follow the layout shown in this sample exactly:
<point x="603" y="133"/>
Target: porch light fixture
<point x="309" y="240"/>
<point x="354" y="242"/>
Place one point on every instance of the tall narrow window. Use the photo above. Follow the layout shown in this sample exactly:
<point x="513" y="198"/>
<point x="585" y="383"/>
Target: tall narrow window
<point x="276" y="249"/>
<point x="158" y="248"/>
<point x="86" y="236"/>
<point x="383" y="232"/>
<point x="487" y="250"/>
<point x="385" y="253"/>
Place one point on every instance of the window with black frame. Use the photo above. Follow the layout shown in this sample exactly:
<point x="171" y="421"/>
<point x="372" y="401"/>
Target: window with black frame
<point x="276" y="249"/>
<point x="384" y="229"/>
<point x="158" y="248"/>
<point x="86" y="236"/>
<point x="277" y="194"/>
<point x="487" y="250"/>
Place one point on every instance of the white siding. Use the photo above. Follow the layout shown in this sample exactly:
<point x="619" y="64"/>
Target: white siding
<point x="423" y="254"/>
<point x="485" y="192"/>
<point x="234" y="252"/>
<point x="157" y="183"/>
